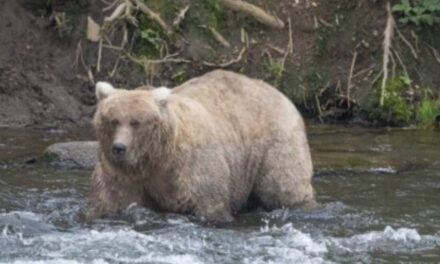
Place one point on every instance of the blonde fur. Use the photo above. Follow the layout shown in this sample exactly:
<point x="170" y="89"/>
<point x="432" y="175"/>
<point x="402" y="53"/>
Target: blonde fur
<point x="222" y="142"/>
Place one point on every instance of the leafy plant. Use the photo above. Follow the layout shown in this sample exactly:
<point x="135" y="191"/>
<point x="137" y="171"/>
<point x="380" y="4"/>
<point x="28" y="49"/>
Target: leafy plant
<point x="62" y="23"/>
<point x="396" y="107"/>
<point x="153" y="39"/>
<point x="276" y="70"/>
<point x="418" y="11"/>
<point x="428" y="111"/>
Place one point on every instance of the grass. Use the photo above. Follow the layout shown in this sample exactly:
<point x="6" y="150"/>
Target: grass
<point x="427" y="113"/>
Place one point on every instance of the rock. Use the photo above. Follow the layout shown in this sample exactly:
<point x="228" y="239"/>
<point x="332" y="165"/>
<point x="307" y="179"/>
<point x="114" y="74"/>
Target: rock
<point x="73" y="155"/>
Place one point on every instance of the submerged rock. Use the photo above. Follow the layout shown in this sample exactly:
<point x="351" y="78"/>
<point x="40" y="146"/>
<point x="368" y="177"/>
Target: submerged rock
<point x="73" y="155"/>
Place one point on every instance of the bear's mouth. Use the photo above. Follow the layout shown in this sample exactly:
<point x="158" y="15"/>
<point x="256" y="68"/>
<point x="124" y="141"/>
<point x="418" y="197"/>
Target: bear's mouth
<point x="119" y="158"/>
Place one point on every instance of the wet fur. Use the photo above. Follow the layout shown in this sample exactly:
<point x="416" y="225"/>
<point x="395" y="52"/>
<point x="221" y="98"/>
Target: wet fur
<point x="213" y="143"/>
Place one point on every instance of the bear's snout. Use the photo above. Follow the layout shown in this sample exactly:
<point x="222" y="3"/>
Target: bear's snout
<point x="119" y="150"/>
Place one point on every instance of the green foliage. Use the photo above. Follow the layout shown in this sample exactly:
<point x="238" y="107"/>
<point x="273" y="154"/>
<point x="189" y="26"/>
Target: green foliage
<point x="166" y="8"/>
<point x="180" y="74"/>
<point x="153" y="39"/>
<point x="418" y="11"/>
<point x="396" y="108"/>
<point x="215" y="14"/>
<point x="275" y="72"/>
<point x="428" y="111"/>
<point x="399" y="109"/>
<point x="63" y="23"/>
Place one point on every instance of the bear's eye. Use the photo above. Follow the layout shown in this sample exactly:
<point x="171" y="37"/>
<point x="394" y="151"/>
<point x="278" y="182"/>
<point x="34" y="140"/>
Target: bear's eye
<point x="114" y="122"/>
<point x="134" y="123"/>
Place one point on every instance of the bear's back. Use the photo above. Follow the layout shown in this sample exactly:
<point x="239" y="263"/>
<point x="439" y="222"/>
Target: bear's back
<point x="246" y="102"/>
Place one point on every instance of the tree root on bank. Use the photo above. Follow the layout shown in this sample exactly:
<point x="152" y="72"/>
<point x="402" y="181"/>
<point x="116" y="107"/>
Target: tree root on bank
<point x="217" y="36"/>
<point x="256" y="12"/>
<point x="153" y="16"/>
<point x="180" y="17"/>
<point x="122" y="13"/>
<point x="228" y="63"/>
<point x="388" y="36"/>
<point x="350" y="76"/>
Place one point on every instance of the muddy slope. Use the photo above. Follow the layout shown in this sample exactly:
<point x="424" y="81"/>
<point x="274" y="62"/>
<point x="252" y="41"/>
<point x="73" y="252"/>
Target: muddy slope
<point x="331" y="72"/>
<point x="38" y="83"/>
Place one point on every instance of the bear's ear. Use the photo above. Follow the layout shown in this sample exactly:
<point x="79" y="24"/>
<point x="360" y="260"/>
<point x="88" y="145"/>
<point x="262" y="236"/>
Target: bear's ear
<point x="103" y="90"/>
<point x="161" y="95"/>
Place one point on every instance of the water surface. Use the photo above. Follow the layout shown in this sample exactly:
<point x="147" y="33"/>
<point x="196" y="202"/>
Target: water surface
<point x="379" y="195"/>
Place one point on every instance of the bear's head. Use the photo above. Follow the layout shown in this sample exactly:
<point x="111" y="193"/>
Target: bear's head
<point x="133" y="127"/>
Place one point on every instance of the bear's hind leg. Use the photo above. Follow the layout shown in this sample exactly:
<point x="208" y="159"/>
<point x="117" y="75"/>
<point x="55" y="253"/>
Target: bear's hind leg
<point x="285" y="177"/>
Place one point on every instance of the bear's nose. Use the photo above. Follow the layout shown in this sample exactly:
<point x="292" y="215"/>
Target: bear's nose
<point x="118" y="149"/>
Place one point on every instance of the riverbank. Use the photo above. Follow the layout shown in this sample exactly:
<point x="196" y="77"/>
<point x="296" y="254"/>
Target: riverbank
<point x="327" y="57"/>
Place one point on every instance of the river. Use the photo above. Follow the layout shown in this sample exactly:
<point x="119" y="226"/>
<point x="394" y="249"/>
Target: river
<point x="378" y="192"/>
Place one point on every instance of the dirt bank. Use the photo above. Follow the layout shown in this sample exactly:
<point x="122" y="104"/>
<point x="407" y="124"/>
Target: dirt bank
<point x="327" y="59"/>
<point x="38" y="83"/>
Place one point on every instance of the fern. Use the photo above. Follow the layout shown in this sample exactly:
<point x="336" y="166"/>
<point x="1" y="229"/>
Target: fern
<point x="418" y="11"/>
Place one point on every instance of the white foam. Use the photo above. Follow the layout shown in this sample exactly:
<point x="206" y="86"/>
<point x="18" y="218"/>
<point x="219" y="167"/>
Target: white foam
<point x="297" y="239"/>
<point x="284" y="245"/>
<point x="23" y="215"/>
<point x="59" y="261"/>
<point x="398" y="235"/>
<point x="182" y="242"/>
<point x="402" y="234"/>
<point x="390" y="239"/>
<point x="389" y="170"/>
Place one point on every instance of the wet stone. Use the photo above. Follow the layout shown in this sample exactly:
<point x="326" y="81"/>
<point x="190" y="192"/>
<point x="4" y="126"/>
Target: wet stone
<point x="73" y="155"/>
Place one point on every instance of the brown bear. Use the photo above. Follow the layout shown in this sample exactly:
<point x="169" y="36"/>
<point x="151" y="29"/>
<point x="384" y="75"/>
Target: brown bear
<point x="206" y="147"/>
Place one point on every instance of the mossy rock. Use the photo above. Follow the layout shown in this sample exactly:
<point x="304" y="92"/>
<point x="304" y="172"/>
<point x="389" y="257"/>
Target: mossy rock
<point x="72" y="155"/>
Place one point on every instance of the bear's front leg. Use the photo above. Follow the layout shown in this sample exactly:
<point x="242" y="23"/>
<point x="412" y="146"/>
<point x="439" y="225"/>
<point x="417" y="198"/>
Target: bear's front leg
<point x="109" y="194"/>
<point x="214" y="212"/>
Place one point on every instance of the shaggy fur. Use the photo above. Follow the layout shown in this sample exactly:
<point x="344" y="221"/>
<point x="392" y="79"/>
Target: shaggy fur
<point x="205" y="148"/>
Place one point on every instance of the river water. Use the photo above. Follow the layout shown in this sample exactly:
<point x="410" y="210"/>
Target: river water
<point x="379" y="195"/>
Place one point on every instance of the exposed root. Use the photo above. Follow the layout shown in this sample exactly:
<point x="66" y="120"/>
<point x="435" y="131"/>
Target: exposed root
<point x="91" y="77"/>
<point x="435" y="53"/>
<point x="399" y="59"/>
<point x="367" y="70"/>
<point x="393" y="64"/>
<point x="388" y="36"/>
<point x="289" y="48"/>
<point x="325" y="23"/>
<point x="119" y="10"/>
<point x="277" y="49"/>
<point x="318" y="107"/>
<point x="109" y="5"/>
<point x="93" y="30"/>
<point x="256" y="12"/>
<point x="350" y="76"/>
<point x="217" y="36"/>
<point x="411" y="48"/>
<point x="152" y="15"/>
<point x="269" y="56"/>
<point x="115" y="67"/>
<point x="244" y="37"/>
<point x="228" y="63"/>
<point x="98" y="62"/>
<point x="167" y="59"/>
<point x="180" y="17"/>
<point x="79" y="57"/>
